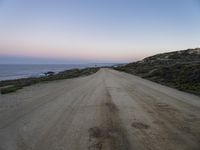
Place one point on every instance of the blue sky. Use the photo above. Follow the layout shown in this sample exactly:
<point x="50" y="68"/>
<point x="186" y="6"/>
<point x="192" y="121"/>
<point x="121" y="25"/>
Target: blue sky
<point x="75" y="31"/>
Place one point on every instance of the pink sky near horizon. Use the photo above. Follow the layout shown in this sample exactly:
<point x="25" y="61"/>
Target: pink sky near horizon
<point x="104" y="55"/>
<point x="116" y="52"/>
<point x="87" y="48"/>
<point x="103" y="31"/>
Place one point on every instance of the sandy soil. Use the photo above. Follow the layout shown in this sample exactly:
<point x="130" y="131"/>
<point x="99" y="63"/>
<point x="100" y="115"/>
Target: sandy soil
<point x="108" y="110"/>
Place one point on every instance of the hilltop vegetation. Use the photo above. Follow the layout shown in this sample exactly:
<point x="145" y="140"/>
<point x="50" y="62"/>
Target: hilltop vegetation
<point x="179" y="69"/>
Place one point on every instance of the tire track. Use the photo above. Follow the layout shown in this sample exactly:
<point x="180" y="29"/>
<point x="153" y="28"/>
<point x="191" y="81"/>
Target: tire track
<point x="110" y="134"/>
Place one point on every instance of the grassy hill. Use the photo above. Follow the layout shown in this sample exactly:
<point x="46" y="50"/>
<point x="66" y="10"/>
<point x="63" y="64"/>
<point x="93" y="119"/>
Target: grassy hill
<point x="179" y="69"/>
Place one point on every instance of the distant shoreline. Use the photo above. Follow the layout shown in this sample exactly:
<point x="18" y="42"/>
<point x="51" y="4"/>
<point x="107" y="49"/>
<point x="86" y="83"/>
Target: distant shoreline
<point x="18" y="71"/>
<point x="8" y="86"/>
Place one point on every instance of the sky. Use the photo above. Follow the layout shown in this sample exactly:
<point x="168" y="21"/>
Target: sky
<point x="85" y="31"/>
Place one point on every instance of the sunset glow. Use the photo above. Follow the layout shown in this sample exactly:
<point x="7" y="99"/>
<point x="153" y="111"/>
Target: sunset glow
<point x="97" y="31"/>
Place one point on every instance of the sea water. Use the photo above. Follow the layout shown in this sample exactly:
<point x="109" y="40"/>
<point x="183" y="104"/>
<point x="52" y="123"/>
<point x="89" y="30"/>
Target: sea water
<point x="16" y="71"/>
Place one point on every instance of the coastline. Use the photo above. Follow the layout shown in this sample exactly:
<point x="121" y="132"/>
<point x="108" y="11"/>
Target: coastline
<point x="8" y="86"/>
<point x="18" y="71"/>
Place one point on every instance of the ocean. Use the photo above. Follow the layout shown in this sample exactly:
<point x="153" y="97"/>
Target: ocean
<point x="16" y="71"/>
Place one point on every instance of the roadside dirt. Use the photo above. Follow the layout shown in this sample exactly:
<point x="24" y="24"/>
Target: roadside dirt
<point x="108" y="110"/>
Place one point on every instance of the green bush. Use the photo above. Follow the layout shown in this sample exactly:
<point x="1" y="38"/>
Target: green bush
<point x="10" y="89"/>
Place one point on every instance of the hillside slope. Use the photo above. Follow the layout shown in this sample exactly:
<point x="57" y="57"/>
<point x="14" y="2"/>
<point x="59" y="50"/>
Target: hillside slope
<point x="179" y="69"/>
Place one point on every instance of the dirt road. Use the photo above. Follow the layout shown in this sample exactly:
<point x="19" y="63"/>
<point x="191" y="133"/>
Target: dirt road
<point x="108" y="110"/>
